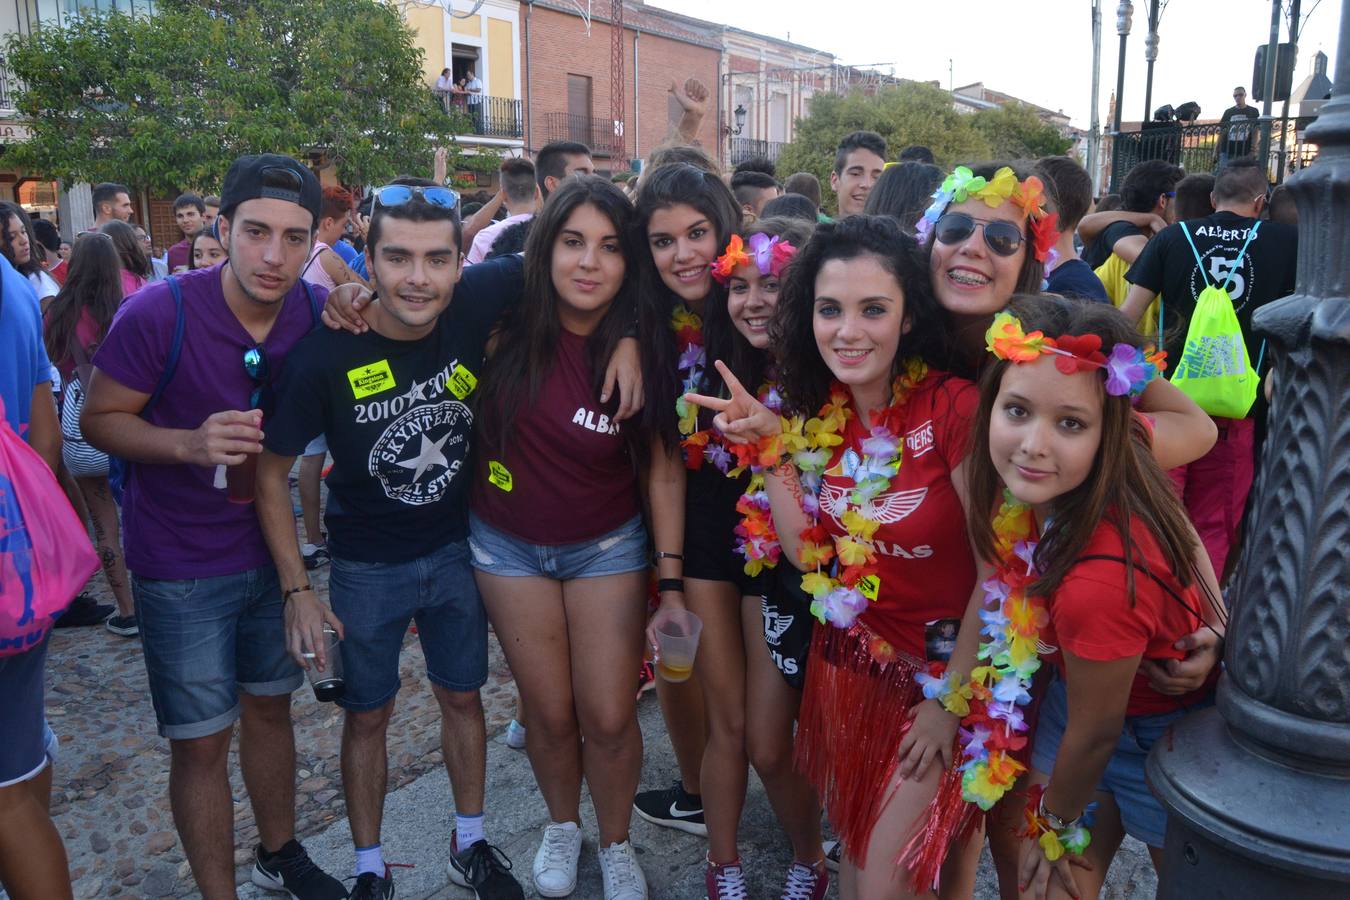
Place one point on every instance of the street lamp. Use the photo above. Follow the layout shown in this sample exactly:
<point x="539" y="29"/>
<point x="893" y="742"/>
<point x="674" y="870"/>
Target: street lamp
<point x="739" y="114"/>
<point x="1150" y="54"/>
<point x="1257" y="789"/>
<point x="1123" y="13"/>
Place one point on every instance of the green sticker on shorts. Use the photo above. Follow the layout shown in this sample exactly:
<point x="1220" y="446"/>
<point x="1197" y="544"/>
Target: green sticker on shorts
<point x="498" y="475"/>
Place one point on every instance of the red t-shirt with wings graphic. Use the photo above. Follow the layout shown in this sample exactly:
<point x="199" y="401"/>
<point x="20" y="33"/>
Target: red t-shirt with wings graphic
<point x="925" y="563"/>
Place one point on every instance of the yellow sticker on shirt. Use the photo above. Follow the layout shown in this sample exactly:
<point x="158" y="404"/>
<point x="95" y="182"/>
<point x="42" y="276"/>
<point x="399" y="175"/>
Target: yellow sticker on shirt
<point x="498" y="475"/>
<point x="869" y="587"/>
<point x="371" y="379"/>
<point x="462" y="384"/>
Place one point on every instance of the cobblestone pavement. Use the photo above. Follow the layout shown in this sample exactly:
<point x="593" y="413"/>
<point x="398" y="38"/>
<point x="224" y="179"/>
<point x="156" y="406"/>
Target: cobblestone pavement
<point x="110" y="790"/>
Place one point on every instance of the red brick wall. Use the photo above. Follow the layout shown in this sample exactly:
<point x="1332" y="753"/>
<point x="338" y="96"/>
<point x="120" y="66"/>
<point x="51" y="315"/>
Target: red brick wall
<point x="559" y="47"/>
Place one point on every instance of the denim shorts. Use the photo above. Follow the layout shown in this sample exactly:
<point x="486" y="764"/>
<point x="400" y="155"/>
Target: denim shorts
<point x="497" y="553"/>
<point x="1140" y="812"/>
<point x="208" y="639"/>
<point x="316" y="446"/>
<point x="24" y="745"/>
<point x="376" y="601"/>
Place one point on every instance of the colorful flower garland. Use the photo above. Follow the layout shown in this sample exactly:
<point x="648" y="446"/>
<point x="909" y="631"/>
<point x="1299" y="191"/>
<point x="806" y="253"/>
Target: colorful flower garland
<point x="769" y="254"/>
<point x="1028" y="195"/>
<point x="756" y="537"/>
<point x="1073" y="837"/>
<point x="993" y="726"/>
<point x="693" y="359"/>
<point x="839" y="600"/>
<point x="1127" y="369"/>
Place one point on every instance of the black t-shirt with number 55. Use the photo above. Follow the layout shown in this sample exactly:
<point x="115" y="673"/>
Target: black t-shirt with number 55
<point x="398" y="416"/>
<point x="1168" y="266"/>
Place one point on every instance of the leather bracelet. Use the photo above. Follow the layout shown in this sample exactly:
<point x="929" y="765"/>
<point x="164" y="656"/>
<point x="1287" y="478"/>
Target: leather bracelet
<point x="286" y="595"/>
<point x="670" y="584"/>
<point x="661" y="554"/>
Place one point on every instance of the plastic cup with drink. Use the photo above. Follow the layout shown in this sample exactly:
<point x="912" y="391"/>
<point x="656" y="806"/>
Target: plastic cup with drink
<point x="677" y="633"/>
<point x="327" y="683"/>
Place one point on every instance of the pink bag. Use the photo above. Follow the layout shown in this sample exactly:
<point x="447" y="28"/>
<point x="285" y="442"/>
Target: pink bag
<point x="45" y="554"/>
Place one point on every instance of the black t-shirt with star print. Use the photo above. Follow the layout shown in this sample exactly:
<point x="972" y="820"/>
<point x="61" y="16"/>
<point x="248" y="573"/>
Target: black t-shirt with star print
<point x="398" y="416"/>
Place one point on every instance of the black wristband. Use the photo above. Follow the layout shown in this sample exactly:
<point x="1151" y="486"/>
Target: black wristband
<point x="295" y="590"/>
<point x="670" y="584"/>
<point x="661" y="554"/>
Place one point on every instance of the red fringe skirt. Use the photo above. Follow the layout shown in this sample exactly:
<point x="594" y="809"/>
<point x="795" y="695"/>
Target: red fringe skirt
<point x="855" y="712"/>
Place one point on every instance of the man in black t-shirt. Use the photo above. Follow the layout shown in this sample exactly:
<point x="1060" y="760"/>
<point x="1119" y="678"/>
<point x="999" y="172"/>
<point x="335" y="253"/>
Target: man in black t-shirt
<point x="393" y="403"/>
<point x="1215" y="487"/>
<point x="1236" y="128"/>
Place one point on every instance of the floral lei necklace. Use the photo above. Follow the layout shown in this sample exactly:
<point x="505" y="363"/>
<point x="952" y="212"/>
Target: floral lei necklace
<point x="839" y="599"/>
<point x="693" y="359"/>
<point x="756" y="538"/>
<point x="992" y="724"/>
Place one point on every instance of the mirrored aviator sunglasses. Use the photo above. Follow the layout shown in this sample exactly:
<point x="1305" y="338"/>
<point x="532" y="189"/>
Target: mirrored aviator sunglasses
<point x="399" y="194"/>
<point x="1002" y="238"/>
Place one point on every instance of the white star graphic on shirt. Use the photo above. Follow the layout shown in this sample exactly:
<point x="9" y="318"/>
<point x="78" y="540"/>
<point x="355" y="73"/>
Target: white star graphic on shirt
<point x="429" y="455"/>
<point x="417" y="391"/>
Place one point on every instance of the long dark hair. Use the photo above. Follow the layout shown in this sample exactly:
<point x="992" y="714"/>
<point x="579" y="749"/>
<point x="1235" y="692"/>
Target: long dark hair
<point x="1125" y="481"/>
<point x="527" y="342"/>
<point x="903" y="192"/>
<point x="93" y="282"/>
<point x="35" y="251"/>
<point x="802" y="373"/>
<point x="661" y="188"/>
<point x="128" y="247"/>
<point x="725" y="342"/>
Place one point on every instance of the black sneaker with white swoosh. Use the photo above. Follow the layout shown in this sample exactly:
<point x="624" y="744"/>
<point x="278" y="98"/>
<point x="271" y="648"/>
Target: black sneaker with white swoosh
<point x="673" y="807"/>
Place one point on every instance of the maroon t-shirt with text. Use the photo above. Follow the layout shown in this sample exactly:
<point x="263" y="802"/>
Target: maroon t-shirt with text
<point x="569" y="472"/>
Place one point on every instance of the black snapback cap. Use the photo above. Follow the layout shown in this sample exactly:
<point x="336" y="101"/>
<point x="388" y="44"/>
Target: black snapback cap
<point x="270" y="176"/>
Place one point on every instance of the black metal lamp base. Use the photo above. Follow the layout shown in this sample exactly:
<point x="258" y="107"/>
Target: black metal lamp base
<point x="1236" y="821"/>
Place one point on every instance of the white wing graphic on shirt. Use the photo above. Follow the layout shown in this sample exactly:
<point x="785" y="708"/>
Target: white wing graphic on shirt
<point x="886" y="509"/>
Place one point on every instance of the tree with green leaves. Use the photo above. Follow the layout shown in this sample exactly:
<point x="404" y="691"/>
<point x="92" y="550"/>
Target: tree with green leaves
<point x="1015" y="131"/>
<point x="908" y="113"/>
<point x="166" y="102"/>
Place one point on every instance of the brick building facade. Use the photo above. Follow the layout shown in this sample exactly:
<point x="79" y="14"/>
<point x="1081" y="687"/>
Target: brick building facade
<point x="567" y="77"/>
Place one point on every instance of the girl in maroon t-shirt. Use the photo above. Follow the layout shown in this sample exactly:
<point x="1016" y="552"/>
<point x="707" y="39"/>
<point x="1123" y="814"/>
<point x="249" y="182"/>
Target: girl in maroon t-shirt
<point x="556" y="535"/>
<point x="1117" y="563"/>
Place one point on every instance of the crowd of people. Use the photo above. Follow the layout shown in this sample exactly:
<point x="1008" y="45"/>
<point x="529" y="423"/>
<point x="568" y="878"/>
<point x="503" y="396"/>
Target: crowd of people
<point x="956" y="542"/>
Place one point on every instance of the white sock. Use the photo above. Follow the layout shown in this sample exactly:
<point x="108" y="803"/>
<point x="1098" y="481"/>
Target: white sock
<point x="369" y="859"/>
<point x="468" y="830"/>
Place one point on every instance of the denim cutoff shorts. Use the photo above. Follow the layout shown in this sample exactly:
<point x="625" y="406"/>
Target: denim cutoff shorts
<point x="620" y="551"/>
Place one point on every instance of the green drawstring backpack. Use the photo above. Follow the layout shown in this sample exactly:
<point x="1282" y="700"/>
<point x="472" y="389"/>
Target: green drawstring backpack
<point x="1215" y="370"/>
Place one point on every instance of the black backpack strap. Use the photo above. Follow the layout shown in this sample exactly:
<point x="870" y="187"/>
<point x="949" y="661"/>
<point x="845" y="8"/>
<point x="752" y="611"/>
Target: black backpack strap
<point x="175" y="346"/>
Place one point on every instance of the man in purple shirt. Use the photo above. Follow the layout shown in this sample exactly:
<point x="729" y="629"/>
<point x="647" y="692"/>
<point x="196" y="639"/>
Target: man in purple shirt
<point x="207" y="595"/>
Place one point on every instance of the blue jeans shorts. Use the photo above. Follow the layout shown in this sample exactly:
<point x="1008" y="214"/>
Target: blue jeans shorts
<point x="497" y="553"/>
<point x="27" y="745"/>
<point x="1140" y="812"/>
<point x="208" y="639"/>
<point x="376" y="601"/>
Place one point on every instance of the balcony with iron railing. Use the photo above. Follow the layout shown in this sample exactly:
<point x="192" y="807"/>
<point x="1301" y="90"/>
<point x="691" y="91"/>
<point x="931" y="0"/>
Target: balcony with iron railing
<point x="748" y="148"/>
<point x="9" y="86"/>
<point x="494" y="117"/>
<point x="598" y="134"/>
<point x="1199" y="148"/>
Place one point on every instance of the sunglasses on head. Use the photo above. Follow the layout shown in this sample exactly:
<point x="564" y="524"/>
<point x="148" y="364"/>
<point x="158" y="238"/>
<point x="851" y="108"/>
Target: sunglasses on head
<point x="1002" y="238"/>
<point x="399" y="194"/>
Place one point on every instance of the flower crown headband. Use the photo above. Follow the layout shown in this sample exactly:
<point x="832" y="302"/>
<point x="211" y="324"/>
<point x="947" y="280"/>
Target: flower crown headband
<point x="1029" y="194"/>
<point x="1128" y="369"/>
<point x="768" y="254"/>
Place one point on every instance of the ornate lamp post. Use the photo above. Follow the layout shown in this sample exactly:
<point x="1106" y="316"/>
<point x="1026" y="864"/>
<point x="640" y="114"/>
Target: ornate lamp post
<point x="1124" y="12"/>
<point x="1258" y="789"/>
<point x="1151" y="56"/>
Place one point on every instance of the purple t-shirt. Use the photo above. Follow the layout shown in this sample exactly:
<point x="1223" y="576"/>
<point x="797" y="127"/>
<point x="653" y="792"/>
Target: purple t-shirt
<point x="177" y="524"/>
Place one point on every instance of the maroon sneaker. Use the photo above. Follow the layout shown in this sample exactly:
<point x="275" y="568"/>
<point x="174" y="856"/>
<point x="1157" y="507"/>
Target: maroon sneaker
<point x="725" y="882"/>
<point x="806" y="882"/>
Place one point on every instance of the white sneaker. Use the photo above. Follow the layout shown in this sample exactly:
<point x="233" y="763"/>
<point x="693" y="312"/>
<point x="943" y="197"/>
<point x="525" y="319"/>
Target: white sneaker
<point x="555" y="865"/>
<point x="515" y="735"/>
<point x="622" y="875"/>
